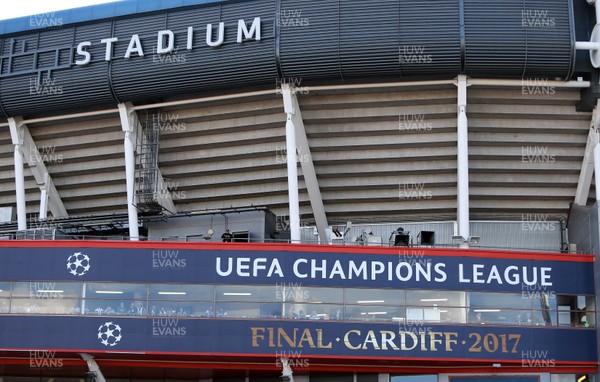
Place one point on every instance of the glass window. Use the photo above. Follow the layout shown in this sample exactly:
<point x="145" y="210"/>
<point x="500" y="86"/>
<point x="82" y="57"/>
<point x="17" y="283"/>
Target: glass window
<point x="4" y="305"/>
<point x="562" y="378"/>
<point x="298" y="293"/>
<point x="375" y="296"/>
<point x="414" y="378"/>
<point x="306" y="311"/>
<point x="4" y="289"/>
<point x="162" y="308"/>
<point x="45" y="306"/>
<point x="499" y="300"/>
<point x="46" y="290"/>
<point x="375" y="313"/>
<point x="114" y="307"/>
<point x="115" y="291"/>
<point x="435" y="298"/>
<point x="415" y="315"/>
<point x="181" y="292"/>
<point x="501" y="316"/>
<point x="246" y="293"/>
<point x="247" y="310"/>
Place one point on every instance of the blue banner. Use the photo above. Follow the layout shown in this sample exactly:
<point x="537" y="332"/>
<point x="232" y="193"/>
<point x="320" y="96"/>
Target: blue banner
<point x="532" y="347"/>
<point x="406" y="269"/>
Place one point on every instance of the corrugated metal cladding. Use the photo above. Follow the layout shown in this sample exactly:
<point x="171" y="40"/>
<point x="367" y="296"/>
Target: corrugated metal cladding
<point x="305" y="41"/>
<point x="535" y="35"/>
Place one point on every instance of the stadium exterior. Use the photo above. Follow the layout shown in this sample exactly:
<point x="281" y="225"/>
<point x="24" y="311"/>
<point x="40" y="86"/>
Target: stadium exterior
<point x="436" y="221"/>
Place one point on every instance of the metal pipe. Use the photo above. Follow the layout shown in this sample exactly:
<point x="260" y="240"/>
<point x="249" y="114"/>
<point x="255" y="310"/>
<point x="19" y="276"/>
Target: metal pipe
<point x="596" y="5"/>
<point x="587" y="45"/>
<point x="519" y="83"/>
<point x="471" y="82"/>
<point x="206" y="99"/>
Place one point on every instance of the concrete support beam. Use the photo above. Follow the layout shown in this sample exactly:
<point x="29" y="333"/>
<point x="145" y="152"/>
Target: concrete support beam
<point x="292" y="108"/>
<point x="463" y="160"/>
<point x="132" y="128"/>
<point x="129" y="125"/>
<point x="587" y="167"/>
<point x="27" y="151"/>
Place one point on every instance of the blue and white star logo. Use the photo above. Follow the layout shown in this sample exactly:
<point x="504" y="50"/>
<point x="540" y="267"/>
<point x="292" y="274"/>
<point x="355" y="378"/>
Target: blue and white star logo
<point x="109" y="334"/>
<point x="78" y="264"/>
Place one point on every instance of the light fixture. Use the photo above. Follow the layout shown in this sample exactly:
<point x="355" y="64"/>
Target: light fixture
<point x="237" y="294"/>
<point x="370" y="301"/>
<point x="48" y="291"/>
<point x="375" y="313"/>
<point x="486" y="310"/>
<point x="457" y="239"/>
<point x="433" y="299"/>
<point x="173" y="293"/>
<point x="109" y="292"/>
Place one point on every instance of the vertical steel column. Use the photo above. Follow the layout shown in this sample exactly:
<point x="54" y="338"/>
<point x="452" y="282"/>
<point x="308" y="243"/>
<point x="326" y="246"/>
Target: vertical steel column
<point x="292" y="165"/>
<point x="463" y="161"/>
<point x="597" y="170"/>
<point x="129" y="127"/>
<point x="16" y="133"/>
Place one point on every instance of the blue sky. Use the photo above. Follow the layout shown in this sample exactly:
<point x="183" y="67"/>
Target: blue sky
<point x="19" y="8"/>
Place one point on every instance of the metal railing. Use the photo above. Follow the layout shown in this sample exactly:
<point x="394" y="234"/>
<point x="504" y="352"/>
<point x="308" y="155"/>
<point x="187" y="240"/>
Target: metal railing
<point x="46" y="234"/>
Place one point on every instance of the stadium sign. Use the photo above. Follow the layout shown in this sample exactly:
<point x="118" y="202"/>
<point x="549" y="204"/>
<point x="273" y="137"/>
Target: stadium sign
<point x="165" y="43"/>
<point x="330" y="267"/>
<point x="527" y="346"/>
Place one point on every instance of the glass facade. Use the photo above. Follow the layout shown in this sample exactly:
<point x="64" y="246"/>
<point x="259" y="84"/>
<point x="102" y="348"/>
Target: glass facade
<point x="283" y="301"/>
